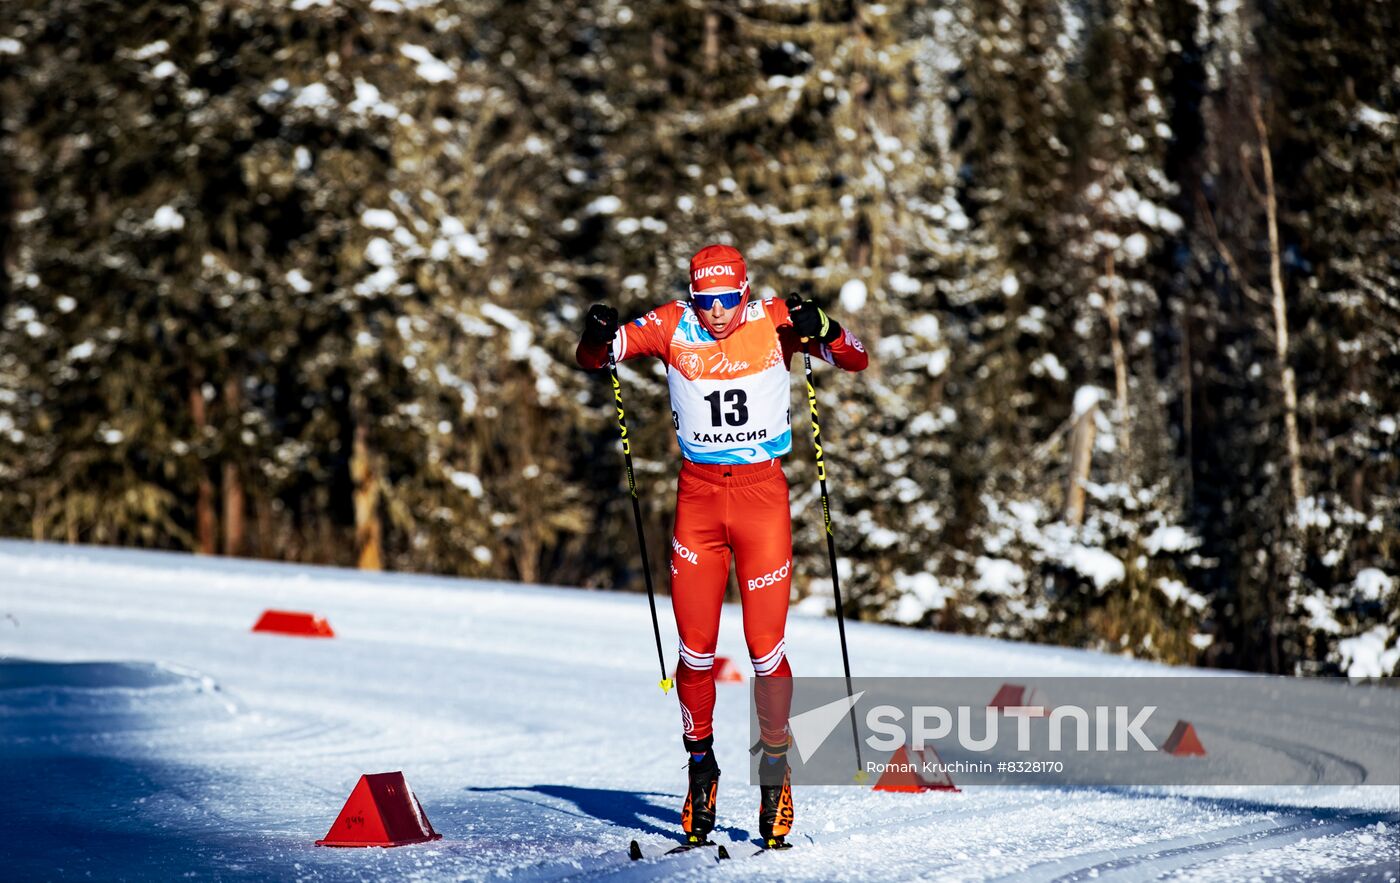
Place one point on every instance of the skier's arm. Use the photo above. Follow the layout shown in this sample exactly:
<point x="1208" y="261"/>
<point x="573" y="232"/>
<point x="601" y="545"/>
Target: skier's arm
<point x="824" y="336"/>
<point x="645" y="336"/>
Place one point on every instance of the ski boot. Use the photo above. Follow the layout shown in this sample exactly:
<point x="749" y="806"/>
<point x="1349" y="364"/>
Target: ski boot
<point x="775" y="812"/>
<point x="698" y="816"/>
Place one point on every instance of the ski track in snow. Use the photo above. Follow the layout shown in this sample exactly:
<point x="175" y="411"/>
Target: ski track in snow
<point x="528" y="721"/>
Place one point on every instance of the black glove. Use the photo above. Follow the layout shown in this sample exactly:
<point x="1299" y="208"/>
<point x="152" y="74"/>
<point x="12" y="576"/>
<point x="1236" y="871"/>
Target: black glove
<point x="809" y="321"/>
<point x="600" y="325"/>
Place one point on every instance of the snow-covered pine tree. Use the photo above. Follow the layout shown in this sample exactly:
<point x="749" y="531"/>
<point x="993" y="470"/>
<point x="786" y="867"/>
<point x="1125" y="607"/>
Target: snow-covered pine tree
<point x="1335" y="103"/>
<point x="280" y="257"/>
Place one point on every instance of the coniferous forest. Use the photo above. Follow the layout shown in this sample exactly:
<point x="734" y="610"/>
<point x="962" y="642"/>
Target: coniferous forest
<point x="302" y="280"/>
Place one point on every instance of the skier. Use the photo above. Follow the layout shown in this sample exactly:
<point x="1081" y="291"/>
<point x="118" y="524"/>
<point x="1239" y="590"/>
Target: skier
<point x="727" y="361"/>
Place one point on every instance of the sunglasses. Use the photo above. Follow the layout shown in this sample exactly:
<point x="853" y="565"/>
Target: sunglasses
<point x="727" y="299"/>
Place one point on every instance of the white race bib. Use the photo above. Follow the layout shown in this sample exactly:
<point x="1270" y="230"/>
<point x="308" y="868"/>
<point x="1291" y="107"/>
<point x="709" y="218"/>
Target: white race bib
<point x="740" y="420"/>
<point x="731" y="400"/>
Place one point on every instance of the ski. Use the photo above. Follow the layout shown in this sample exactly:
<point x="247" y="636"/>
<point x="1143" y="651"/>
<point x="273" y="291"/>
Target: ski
<point x="780" y="846"/>
<point x="634" y="851"/>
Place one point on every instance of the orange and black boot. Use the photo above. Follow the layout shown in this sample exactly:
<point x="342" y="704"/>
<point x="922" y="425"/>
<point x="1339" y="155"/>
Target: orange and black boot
<point x="698" y="816"/>
<point x="775" y="813"/>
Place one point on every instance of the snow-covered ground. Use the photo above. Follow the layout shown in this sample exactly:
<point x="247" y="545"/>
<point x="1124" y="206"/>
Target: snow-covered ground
<point x="529" y="723"/>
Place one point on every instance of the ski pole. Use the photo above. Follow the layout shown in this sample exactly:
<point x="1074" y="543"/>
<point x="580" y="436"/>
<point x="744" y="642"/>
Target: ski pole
<point x="831" y="553"/>
<point x="666" y="682"/>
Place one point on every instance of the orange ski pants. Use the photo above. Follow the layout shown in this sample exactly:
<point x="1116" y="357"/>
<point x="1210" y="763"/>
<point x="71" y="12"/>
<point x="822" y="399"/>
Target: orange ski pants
<point x="739" y="511"/>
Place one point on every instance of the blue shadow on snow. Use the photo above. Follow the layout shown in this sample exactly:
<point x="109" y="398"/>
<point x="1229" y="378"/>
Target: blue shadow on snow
<point x="626" y="809"/>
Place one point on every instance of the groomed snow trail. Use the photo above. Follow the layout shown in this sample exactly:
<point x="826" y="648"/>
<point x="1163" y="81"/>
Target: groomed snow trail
<point x="529" y="723"/>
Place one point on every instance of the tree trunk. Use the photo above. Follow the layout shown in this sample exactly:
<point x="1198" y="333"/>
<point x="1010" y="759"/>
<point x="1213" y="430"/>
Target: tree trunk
<point x="9" y="201"/>
<point x="1081" y="457"/>
<point x="1285" y="371"/>
<point x="658" y="52"/>
<point x="37" y="520"/>
<point x="234" y="500"/>
<point x="206" y="520"/>
<point x="528" y="556"/>
<point x="368" y="528"/>
<point x="711" y="50"/>
<point x="1187" y="407"/>
<point x="1120" y="363"/>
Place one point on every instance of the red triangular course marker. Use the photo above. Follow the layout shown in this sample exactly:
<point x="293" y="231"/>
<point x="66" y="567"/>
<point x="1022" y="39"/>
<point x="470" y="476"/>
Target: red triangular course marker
<point x="1184" y="741"/>
<point x="1015" y="695"/>
<point x="726" y="672"/>
<point x="903" y="772"/>
<point x="381" y="811"/>
<point x="292" y="622"/>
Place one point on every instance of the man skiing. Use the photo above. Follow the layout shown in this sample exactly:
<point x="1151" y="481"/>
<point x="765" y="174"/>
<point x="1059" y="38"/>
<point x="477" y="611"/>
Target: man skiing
<point x="727" y="361"/>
